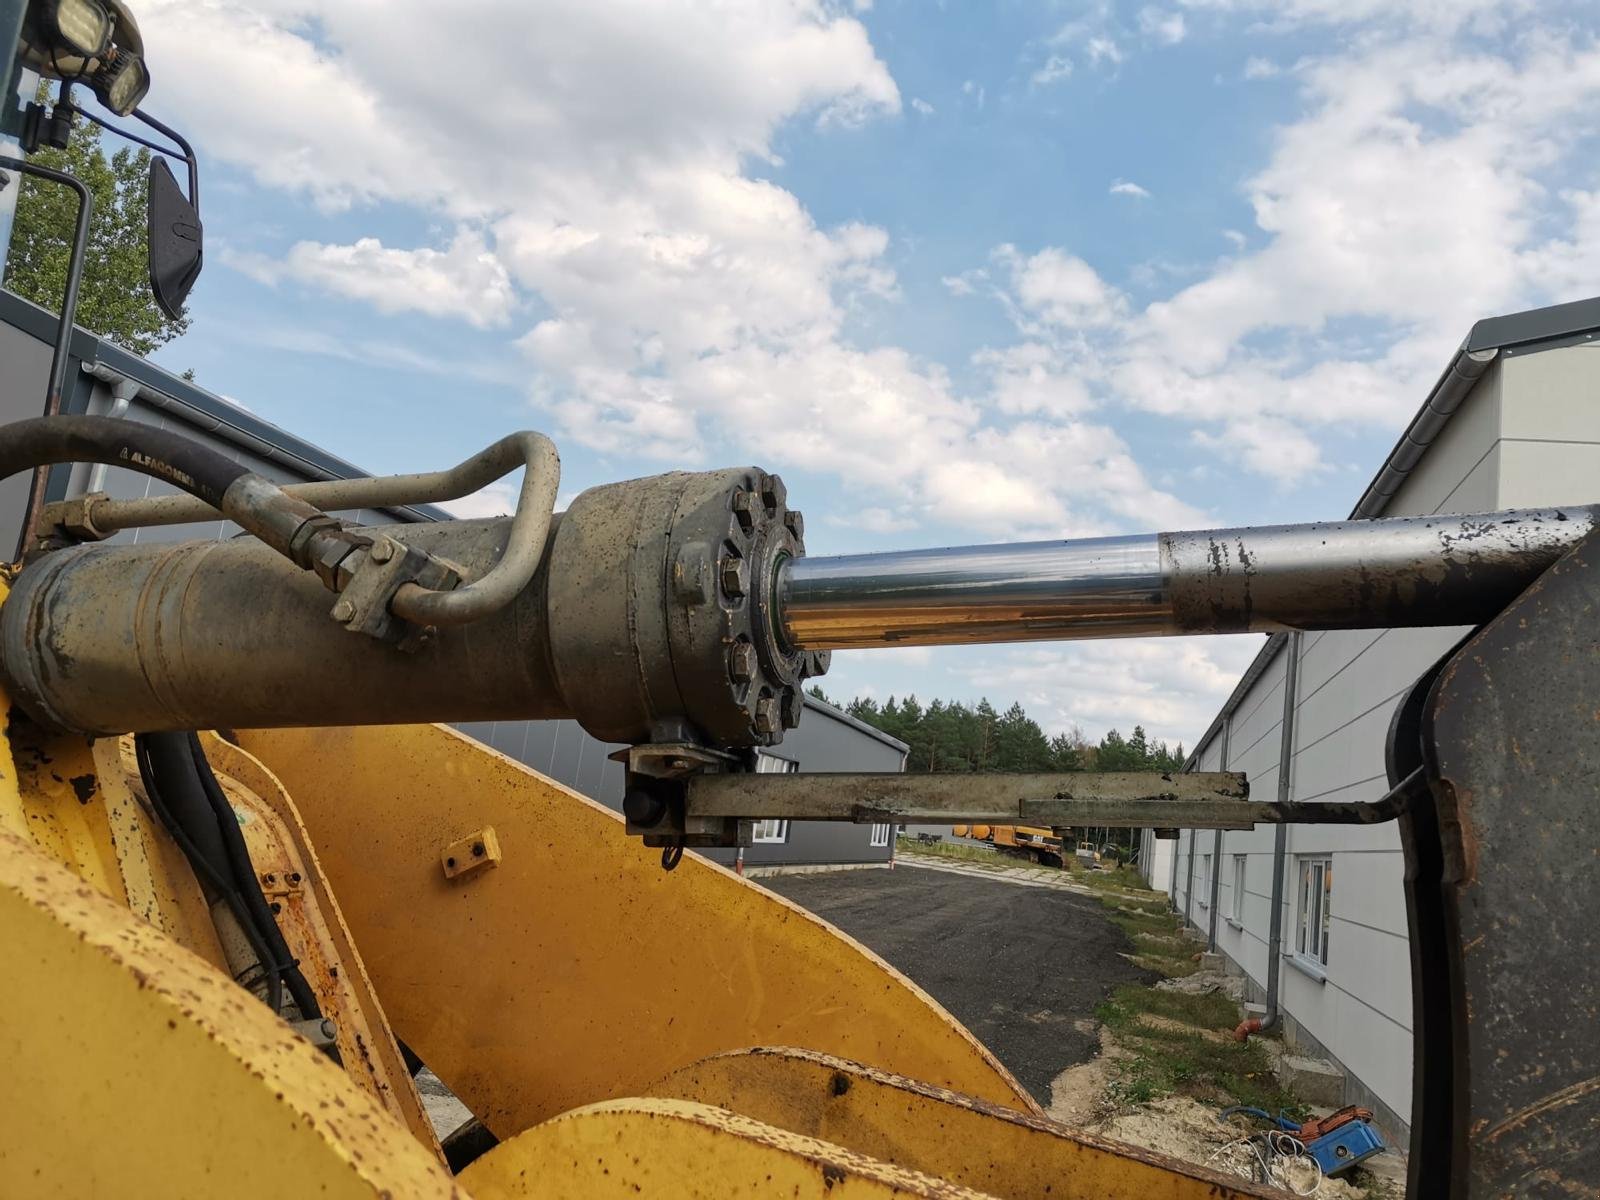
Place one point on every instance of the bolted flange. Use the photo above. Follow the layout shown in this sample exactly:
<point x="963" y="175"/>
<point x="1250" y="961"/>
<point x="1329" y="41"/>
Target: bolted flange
<point x="701" y="555"/>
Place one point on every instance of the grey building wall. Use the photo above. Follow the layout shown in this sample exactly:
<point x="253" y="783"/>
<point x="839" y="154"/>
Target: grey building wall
<point x="1526" y="432"/>
<point x="827" y="739"/>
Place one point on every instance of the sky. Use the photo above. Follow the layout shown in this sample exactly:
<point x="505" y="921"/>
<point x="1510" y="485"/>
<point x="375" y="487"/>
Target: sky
<point x="960" y="272"/>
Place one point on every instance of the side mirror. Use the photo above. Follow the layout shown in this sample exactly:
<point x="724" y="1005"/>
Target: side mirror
<point x="176" y="248"/>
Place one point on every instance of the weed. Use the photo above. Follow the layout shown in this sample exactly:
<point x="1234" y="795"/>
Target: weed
<point x="954" y="850"/>
<point x="1167" y="1059"/>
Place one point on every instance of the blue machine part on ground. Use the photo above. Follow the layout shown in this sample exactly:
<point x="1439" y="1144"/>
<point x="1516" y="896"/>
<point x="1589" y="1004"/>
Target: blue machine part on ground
<point x="1338" y="1141"/>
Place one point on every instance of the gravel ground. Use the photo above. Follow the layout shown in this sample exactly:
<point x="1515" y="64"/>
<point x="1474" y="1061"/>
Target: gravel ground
<point x="1022" y="967"/>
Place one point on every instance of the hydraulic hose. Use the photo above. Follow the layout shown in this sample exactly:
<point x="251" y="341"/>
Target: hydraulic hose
<point x="257" y="505"/>
<point x="189" y="801"/>
<point x="182" y="462"/>
<point x="244" y="873"/>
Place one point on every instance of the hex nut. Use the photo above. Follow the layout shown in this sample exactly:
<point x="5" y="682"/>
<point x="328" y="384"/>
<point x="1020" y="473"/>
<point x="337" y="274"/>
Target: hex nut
<point x="768" y="719"/>
<point x="343" y="610"/>
<point x="742" y="662"/>
<point x="795" y="520"/>
<point x="744" y="509"/>
<point x="793" y="705"/>
<point x="733" y="577"/>
<point x="773" y="493"/>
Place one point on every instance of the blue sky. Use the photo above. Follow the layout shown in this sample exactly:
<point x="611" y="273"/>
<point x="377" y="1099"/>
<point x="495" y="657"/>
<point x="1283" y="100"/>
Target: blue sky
<point x="960" y="272"/>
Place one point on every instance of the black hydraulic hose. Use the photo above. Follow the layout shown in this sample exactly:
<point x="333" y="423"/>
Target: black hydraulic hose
<point x="218" y="881"/>
<point x="181" y="461"/>
<point x="244" y="872"/>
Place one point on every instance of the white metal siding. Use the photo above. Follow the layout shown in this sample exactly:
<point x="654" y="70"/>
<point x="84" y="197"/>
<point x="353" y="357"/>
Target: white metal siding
<point x="1529" y="434"/>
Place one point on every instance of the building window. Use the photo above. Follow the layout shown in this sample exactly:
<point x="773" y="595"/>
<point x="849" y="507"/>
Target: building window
<point x="771" y="831"/>
<point x="773" y="764"/>
<point x="1238" y="888"/>
<point x="1204" y="897"/>
<point x="1316" y="898"/>
<point x="880" y="835"/>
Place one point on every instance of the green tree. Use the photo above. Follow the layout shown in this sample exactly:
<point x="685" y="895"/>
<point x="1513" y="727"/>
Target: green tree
<point x="114" y="298"/>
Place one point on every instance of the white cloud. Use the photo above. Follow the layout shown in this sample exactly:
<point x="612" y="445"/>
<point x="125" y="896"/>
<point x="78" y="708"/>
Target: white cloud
<point x="673" y="287"/>
<point x="1260" y="68"/>
<point x="1124" y="187"/>
<point x="1167" y="28"/>
<point x="873" y="520"/>
<point x="1056" y="68"/>
<point x="1101" y="49"/>
<point x="463" y="281"/>
<point x="1418" y="192"/>
<point x="1060" y="289"/>
<point x="1172" y="688"/>
<point x="494" y="500"/>
<point x="921" y="106"/>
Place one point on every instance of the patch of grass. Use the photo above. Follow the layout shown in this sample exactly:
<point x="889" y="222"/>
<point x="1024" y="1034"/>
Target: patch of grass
<point x="1210" y="1010"/>
<point x="1135" y="923"/>
<point x="1122" y="878"/>
<point x="952" y="850"/>
<point x="1166" y="965"/>
<point x="1164" y="1061"/>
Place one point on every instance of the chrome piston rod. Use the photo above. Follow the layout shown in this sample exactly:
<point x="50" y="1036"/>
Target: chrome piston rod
<point x="1387" y="573"/>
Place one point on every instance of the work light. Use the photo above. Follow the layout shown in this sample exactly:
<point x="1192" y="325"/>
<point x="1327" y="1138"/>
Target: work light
<point x="122" y="82"/>
<point x="80" y="27"/>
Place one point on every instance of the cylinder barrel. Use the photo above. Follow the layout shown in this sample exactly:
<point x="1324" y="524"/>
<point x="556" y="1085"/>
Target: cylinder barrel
<point x="1389" y="573"/>
<point x="196" y="635"/>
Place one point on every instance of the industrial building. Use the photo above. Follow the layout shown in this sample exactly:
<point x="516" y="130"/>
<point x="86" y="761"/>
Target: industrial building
<point x="1514" y="421"/>
<point x="104" y="379"/>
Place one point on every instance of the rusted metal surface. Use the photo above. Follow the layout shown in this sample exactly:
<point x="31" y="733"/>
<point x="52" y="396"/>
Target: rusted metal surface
<point x="304" y="906"/>
<point x="1331" y="575"/>
<point x="1110" y="797"/>
<point x="985" y="797"/>
<point x="930" y="1129"/>
<point x="1501" y="886"/>
<point x="630" y="624"/>
<point x="649" y="1147"/>
<point x="134" y="1068"/>
<point x="566" y="976"/>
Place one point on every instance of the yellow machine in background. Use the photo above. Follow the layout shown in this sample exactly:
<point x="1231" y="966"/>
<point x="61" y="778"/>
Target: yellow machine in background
<point x="1038" y="844"/>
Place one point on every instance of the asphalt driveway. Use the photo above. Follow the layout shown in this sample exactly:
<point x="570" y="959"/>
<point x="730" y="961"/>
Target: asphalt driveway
<point x="1022" y="967"/>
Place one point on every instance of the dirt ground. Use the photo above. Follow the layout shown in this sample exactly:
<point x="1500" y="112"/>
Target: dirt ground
<point x="1022" y="967"/>
<point x="1024" y="962"/>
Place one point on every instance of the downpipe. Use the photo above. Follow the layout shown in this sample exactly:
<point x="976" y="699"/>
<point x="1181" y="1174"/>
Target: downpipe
<point x="1280" y="848"/>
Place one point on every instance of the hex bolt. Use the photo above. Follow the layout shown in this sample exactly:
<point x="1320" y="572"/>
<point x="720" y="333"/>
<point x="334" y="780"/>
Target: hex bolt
<point x="381" y="551"/>
<point x="744" y="508"/>
<point x="343" y="610"/>
<point x="795" y="521"/>
<point x="773" y="493"/>
<point x="742" y="662"/>
<point x="733" y="577"/>
<point x="768" y="719"/>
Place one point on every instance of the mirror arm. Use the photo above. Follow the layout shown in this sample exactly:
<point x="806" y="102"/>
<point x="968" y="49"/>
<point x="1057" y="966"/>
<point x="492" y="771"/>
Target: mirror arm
<point x="69" y="313"/>
<point x="182" y="143"/>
